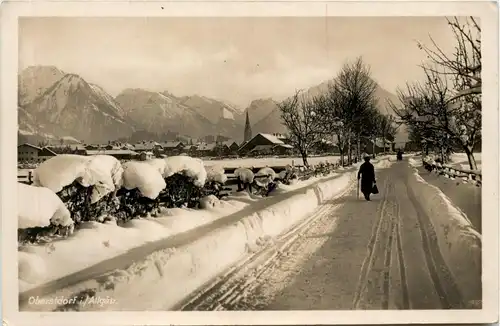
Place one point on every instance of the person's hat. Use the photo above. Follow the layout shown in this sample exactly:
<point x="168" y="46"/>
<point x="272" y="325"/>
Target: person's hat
<point x="366" y="155"/>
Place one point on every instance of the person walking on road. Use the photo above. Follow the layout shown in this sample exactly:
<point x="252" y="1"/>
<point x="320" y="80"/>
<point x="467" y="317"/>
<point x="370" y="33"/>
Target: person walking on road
<point x="367" y="175"/>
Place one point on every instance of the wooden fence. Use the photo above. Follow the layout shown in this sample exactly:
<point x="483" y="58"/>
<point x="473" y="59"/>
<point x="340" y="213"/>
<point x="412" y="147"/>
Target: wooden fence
<point x="455" y="172"/>
<point x="27" y="179"/>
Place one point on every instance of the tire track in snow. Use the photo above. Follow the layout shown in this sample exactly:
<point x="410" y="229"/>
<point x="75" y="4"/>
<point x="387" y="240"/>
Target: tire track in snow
<point x="229" y="290"/>
<point x="443" y="281"/>
<point x="401" y="260"/>
<point x="388" y="263"/>
<point x="368" y="261"/>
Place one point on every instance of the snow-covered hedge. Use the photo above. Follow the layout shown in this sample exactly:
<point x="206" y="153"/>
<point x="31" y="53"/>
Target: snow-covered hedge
<point x="93" y="188"/>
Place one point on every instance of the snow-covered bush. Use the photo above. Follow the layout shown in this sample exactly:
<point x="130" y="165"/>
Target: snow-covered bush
<point x="140" y="194"/>
<point x="41" y="213"/>
<point x="181" y="191"/>
<point x="264" y="181"/>
<point x="264" y="177"/>
<point x="288" y="176"/>
<point x="39" y="206"/>
<point x="216" y="178"/>
<point x="60" y="171"/>
<point x="143" y="176"/>
<point x="244" y="174"/>
<point x="188" y="166"/>
<point x="245" y="178"/>
<point x="216" y="173"/>
<point x="158" y="163"/>
<point x="86" y="184"/>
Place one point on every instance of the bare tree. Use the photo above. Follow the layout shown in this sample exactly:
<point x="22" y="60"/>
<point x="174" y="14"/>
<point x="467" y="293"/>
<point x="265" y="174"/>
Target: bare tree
<point x="386" y="129"/>
<point x="344" y="108"/>
<point x="332" y="115"/>
<point x="428" y="108"/>
<point x="452" y="113"/>
<point x="299" y="117"/>
<point x="464" y="67"/>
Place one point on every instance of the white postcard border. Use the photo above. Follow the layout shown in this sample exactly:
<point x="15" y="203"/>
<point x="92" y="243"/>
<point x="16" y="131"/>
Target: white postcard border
<point x="10" y="11"/>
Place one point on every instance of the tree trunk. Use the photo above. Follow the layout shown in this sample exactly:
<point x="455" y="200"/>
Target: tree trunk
<point x="340" y="145"/>
<point x="304" y="158"/>
<point x="470" y="157"/>
<point x="358" y="148"/>
<point x="374" y="147"/>
<point x="341" y="152"/>
<point x="349" y="150"/>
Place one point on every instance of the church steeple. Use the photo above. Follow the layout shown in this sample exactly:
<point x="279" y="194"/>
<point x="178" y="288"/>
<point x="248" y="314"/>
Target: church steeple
<point x="248" y="130"/>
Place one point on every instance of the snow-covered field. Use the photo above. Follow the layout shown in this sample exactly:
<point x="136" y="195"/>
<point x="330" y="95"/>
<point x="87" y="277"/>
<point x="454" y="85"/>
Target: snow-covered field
<point x="459" y="160"/>
<point x="270" y="161"/>
<point x="95" y="242"/>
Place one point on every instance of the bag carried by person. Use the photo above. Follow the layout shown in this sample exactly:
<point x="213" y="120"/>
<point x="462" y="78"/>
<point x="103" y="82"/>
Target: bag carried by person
<point x="374" y="189"/>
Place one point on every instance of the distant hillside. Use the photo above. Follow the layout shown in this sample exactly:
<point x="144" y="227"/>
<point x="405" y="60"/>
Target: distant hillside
<point x="271" y="122"/>
<point x="73" y="107"/>
<point x="54" y="104"/>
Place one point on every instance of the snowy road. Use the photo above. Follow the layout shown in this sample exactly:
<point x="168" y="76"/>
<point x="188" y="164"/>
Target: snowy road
<point x="381" y="254"/>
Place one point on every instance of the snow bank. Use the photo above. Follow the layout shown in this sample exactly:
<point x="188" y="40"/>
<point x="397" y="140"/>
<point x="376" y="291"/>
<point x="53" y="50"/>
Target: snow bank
<point x="40" y="206"/>
<point x="144" y="177"/>
<point x="245" y="175"/>
<point x="179" y="271"/>
<point x="31" y="268"/>
<point x="208" y="202"/>
<point x="414" y="163"/>
<point x="460" y="244"/>
<point x="383" y="163"/>
<point x="104" y="172"/>
<point x="216" y="173"/>
<point x="189" y="166"/>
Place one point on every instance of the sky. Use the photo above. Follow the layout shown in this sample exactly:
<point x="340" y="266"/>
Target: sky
<point x="233" y="59"/>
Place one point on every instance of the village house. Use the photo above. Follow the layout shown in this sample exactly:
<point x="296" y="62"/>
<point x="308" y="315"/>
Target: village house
<point x="206" y="149"/>
<point x="78" y="149"/>
<point x="232" y="147"/>
<point x="173" y="147"/>
<point x="268" y="144"/>
<point x="33" y="154"/>
<point x="369" y="147"/>
<point x="148" y="146"/>
<point x="91" y="147"/>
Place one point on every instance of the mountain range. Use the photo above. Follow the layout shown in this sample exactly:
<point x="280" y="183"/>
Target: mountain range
<point x="53" y="104"/>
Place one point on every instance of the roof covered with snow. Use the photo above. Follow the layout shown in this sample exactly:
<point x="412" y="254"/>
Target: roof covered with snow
<point x="171" y="144"/>
<point x="29" y="145"/>
<point x="273" y="139"/>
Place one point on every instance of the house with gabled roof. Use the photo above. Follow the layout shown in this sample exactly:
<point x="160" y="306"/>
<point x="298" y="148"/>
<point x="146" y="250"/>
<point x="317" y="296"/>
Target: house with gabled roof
<point x="272" y="142"/>
<point x="173" y="147"/>
<point x="33" y="154"/>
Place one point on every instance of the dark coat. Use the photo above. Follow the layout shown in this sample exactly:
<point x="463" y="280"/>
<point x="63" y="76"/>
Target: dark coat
<point x="367" y="174"/>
